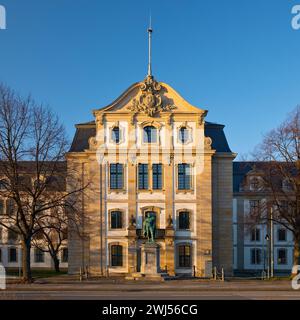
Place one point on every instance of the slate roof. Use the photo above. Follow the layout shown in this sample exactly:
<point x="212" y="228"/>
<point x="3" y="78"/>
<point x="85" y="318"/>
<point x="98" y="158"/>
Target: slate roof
<point x="216" y="132"/>
<point x="240" y="170"/>
<point x="82" y="135"/>
<point x="87" y="130"/>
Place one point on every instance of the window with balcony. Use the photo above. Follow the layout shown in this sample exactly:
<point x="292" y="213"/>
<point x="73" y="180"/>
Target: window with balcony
<point x="184" y="220"/>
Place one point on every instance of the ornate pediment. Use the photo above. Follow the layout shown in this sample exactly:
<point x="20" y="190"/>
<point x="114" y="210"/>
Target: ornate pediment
<point x="150" y="99"/>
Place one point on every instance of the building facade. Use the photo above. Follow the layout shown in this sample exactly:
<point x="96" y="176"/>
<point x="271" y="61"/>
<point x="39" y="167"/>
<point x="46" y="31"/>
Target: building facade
<point x="10" y="244"/>
<point x="257" y="244"/>
<point x="150" y="152"/>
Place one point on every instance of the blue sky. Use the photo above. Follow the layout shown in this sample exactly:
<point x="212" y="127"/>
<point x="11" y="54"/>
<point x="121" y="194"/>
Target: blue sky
<point x="239" y="59"/>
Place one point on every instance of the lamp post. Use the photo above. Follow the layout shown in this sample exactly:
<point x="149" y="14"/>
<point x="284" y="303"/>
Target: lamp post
<point x="267" y="237"/>
<point x="271" y="243"/>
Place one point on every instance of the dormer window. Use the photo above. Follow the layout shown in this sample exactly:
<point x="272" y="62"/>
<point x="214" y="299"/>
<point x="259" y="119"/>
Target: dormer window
<point x="254" y="183"/>
<point x="149" y="134"/>
<point x="184" y="135"/>
<point x="116" y="135"/>
<point x="287" y="185"/>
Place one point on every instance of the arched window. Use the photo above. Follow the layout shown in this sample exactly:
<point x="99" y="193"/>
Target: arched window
<point x="184" y="256"/>
<point x="184" y="135"/>
<point x="116" y="220"/>
<point x="116" y="256"/>
<point x="150" y="134"/>
<point x="116" y="135"/>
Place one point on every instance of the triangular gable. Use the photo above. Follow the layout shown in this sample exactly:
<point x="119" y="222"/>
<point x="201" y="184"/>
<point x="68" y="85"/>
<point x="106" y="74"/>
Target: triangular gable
<point x="150" y="97"/>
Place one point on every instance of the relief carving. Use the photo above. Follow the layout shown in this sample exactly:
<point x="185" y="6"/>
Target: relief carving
<point x="150" y="101"/>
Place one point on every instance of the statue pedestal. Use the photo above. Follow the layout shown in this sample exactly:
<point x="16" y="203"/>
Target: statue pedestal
<point x="150" y="264"/>
<point x="150" y="259"/>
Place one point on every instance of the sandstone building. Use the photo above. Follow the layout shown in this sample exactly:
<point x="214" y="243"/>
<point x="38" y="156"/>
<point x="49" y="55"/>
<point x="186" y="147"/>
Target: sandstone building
<point x="150" y="151"/>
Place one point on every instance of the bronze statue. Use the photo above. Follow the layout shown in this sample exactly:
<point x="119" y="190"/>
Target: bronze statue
<point x="149" y="227"/>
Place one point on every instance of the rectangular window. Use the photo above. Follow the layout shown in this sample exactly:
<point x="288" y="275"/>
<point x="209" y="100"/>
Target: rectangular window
<point x="64" y="255"/>
<point x="184" y="220"/>
<point x="116" y="176"/>
<point x="12" y="236"/>
<point x="255" y="234"/>
<point x="143" y="176"/>
<point x="157" y="176"/>
<point x="116" y="220"/>
<point x="1" y="207"/>
<point x="12" y="255"/>
<point x="184" y="176"/>
<point x="39" y="256"/>
<point x="10" y="207"/>
<point x="184" y="256"/>
<point x="256" y="256"/>
<point x="282" y="256"/>
<point x="254" y="206"/>
<point x="0" y="255"/>
<point x="281" y="234"/>
<point x="116" y="256"/>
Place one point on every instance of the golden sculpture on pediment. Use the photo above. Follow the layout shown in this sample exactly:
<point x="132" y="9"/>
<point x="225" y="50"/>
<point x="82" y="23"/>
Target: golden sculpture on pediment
<point x="150" y="100"/>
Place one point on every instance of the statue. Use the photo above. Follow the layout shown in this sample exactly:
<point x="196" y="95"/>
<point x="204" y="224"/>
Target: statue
<point x="170" y="222"/>
<point x="149" y="227"/>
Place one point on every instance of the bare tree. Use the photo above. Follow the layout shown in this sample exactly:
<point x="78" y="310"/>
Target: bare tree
<point x="53" y="234"/>
<point x="32" y="148"/>
<point x="279" y="168"/>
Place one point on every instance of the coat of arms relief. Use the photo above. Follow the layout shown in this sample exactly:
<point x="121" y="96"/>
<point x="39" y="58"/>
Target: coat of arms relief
<point x="150" y="101"/>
